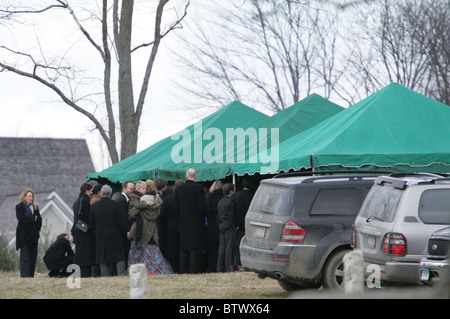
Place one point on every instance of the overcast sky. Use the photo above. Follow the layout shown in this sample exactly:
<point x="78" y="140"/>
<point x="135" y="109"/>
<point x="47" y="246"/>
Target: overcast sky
<point x="29" y="109"/>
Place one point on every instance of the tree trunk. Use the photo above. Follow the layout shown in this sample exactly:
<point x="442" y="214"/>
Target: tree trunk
<point x="128" y="125"/>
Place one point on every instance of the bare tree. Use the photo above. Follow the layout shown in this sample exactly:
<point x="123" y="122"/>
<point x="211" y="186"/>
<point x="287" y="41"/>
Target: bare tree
<point x="269" y="53"/>
<point x="405" y="42"/>
<point x="431" y="22"/>
<point x="109" y="32"/>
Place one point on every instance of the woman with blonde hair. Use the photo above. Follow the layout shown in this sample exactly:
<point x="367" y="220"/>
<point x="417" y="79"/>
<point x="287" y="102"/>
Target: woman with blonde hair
<point x="151" y="187"/>
<point x="143" y="213"/>
<point x="29" y="223"/>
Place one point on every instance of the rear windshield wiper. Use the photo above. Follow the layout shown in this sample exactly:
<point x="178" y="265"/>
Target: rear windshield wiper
<point x="374" y="217"/>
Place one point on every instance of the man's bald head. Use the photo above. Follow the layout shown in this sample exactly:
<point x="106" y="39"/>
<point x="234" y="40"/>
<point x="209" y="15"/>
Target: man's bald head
<point x="191" y="174"/>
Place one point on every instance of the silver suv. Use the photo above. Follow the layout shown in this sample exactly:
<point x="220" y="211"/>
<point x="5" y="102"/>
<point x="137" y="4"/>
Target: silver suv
<point x="396" y="221"/>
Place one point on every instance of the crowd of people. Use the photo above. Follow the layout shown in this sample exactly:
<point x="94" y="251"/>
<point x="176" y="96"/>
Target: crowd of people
<point x="181" y="228"/>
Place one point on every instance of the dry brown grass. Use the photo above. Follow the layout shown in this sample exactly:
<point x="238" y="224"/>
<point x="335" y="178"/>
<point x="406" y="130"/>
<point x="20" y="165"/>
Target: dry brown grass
<point x="243" y="285"/>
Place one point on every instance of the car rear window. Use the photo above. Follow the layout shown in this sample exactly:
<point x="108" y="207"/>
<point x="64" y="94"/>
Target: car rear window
<point x="339" y="201"/>
<point x="273" y="200"/>
<point x="381" y="203"/>
<point x="434" y="206"/>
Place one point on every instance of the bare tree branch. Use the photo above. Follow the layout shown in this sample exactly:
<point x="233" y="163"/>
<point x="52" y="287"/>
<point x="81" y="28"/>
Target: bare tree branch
<point x="158" y="37"/>
<point x="261" y="51"/>
<point x="84" y="31"/>
<point x="68" y="83"/>
<point x="55" y="89"/>
<point x="9" y="13"/>
<point x="175" y="25"/>
<point x="402" y="44"/>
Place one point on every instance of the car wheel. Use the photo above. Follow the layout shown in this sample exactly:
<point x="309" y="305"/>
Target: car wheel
<point x="290" y="286"/>
<point x="333" y="272"/>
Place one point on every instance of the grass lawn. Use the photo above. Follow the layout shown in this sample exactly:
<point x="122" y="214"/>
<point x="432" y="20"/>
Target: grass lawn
<point x="242" y="285"/>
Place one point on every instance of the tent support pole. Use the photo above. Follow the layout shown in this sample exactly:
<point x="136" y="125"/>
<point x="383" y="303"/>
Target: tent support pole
<point x="312" y="159"/>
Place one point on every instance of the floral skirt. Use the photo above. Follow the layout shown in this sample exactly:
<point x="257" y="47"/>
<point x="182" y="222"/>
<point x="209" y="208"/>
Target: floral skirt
<point x="151" y="256"/>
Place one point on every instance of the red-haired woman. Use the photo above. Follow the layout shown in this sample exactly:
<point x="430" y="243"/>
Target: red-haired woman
<point x="27" y="232"/>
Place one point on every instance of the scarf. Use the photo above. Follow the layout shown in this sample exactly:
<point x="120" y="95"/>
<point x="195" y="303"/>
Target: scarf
<point x="28" y="210"/>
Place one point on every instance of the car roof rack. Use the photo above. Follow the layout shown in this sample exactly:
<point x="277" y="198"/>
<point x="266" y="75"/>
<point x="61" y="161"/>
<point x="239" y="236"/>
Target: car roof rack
<point x="419" y="174"/>
<point x="398" y="182"/>
<point x="311" y="173"/>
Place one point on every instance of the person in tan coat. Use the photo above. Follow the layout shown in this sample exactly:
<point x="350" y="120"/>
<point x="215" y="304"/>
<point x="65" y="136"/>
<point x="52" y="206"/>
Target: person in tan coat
<point x="143" y="213"/>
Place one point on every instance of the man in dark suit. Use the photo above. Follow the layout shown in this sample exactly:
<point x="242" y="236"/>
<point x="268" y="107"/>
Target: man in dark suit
<point x="242" y="200"/>
<point x="109" y="224"/>
<point x="191" y="207"/>
<point x="124" y="201"/>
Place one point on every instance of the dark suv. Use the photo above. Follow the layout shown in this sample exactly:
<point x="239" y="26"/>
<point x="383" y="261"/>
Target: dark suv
<point x="435" y="267"/>
<point x="298" y="228"/>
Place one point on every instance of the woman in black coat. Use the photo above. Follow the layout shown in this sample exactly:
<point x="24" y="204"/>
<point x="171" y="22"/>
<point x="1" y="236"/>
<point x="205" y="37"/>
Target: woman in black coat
<point x="84" y="241"/>
<point x="59" y="256"/>
<point x="213" y="197"/>
<point x="29" y="223"/>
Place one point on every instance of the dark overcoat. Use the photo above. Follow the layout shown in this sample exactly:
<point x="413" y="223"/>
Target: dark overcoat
<point x="109" y="224"/>
<point x="28" y="226"/>
<point x="191" y="206"/>
<point x="227" y="213"/>
<point x="212" y="202"/>
<point x="243" y="198"/>
<point x="84" y="242"/>
<point x="125" y="206"/>
<point x="59" y="255"/>
<point x="173" y="231"/>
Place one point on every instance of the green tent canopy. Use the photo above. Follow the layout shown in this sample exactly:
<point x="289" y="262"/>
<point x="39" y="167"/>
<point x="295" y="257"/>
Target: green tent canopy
<point x="393" y="129"/>
<point x="210" y="146"/>
<point x="291" y="121"/>
<point x="302" y="115"/>
<point x="166" y="157"/>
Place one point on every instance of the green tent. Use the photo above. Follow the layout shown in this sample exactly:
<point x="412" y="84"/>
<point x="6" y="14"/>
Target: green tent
<point x="302" y="115"/>
<point x="210" y="146"/>
<point x="291" y="121"/>
<point x="393" y="129"/>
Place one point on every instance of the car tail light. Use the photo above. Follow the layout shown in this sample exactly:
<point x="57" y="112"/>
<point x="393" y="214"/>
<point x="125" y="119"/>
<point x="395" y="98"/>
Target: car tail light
<point x="293" y="233"/>
<point x="354" y="238"/>
<point x="394" y="244"/>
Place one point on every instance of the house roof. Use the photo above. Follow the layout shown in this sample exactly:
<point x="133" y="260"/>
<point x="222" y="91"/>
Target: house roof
<point x="45" y="165"/>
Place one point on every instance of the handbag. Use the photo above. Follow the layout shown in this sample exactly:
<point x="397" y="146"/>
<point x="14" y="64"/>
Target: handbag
<point x="81" y="225"/>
